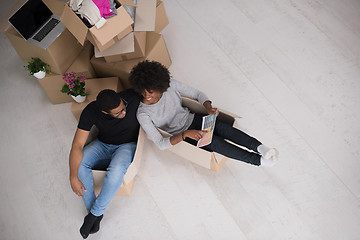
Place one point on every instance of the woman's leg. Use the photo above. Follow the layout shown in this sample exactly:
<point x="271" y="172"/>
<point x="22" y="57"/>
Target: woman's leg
<point x="223" y="131"/>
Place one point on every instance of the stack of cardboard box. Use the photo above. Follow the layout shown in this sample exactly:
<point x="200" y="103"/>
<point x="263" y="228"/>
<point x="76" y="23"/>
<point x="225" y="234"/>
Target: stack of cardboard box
<point x="105" y="55"/>
<point x="118" y="45"/>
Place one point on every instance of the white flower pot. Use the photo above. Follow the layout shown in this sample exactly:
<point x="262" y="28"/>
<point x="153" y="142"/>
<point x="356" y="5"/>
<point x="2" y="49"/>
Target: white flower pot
<point x="79" y="98"/>
<point x="40" y="74"/>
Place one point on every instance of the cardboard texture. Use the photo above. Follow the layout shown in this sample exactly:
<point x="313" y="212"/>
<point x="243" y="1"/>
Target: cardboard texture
<point x="113" y="30"/>
<point x="92" y="88"/>
<point x="210" y="160"/>
<point x="161" y="20"/>
<point x="82" y="64"/>
<point x="145" y="15"/>
<point x="124" y="45"/>
<point x="155" y="50"/>
<point x="53" y="83"/>
<point x="55" y="6"/>
<point x="139" y="49"/>
<point x="59" y="55"/>
<point x="127" y="184"/>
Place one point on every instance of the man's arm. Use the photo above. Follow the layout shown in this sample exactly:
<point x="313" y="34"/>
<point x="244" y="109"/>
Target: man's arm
<point x="75" y="158"/>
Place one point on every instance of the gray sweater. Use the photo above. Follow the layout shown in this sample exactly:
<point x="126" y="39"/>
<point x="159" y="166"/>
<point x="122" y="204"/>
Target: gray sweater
<point x="168" y="114"/>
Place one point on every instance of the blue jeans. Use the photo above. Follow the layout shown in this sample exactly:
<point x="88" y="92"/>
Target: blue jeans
<point x="224" y="131"/>
<point x="116" y="160"/>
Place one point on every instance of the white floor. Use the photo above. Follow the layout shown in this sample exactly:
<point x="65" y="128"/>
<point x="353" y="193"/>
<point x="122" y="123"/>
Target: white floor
<point x="291" y="69"/>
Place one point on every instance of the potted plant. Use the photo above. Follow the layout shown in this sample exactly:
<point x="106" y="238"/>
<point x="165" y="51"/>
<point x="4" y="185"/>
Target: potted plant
<point x="74" y="86"/>
<point x="37" y="68"/>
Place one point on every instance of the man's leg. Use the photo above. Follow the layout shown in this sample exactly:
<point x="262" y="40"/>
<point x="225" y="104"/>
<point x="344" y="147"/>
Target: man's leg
<point x="96" y="155"/>
<point x="122" y="156"/>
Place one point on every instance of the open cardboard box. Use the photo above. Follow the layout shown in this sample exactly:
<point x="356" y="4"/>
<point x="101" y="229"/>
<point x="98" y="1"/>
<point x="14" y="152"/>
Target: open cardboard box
<point x="116" y="27"/>
<point x="210" y="160"/>
<point x="53" y="83"/>
<point x="92" y="88"/>
<point x="133" y="45"/>
<point x="113" y="30"/>
<point x="59" y="55"/>
<point x="155" y="50"/>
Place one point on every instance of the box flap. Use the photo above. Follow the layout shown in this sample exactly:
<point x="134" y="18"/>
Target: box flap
<point x="145" y="15"/>
<point x="112" y="27"/>
<point x="127" y="3"/>
<point x="124" y="45"/>
<point x="74" y="24"/>
<point x="4" y="24"/>
<point x="55" y="6"/>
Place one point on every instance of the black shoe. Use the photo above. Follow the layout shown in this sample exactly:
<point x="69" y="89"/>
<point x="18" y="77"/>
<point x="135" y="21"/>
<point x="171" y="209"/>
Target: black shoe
<point x="96" y="227"/>
<point x="89" y="221"/>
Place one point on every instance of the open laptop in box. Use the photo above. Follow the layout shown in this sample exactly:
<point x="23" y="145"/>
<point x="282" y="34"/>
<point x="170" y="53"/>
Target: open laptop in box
<point x="37" y="24"/>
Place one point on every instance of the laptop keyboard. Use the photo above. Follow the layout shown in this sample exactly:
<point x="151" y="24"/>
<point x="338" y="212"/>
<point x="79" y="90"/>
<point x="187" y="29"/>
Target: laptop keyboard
<point x="46" y="29"/>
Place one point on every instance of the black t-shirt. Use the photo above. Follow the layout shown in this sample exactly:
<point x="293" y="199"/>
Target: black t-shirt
<point x="113" y="130"/>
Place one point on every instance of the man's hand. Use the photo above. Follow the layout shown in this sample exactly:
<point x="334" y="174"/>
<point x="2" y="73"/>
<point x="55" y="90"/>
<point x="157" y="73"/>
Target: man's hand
<point x="77" y="186"/>
<point x="210" y="110"/>
<point x="194" y="134"/>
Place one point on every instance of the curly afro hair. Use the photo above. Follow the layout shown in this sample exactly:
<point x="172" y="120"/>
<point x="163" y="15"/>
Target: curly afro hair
<point x="150" y="76"/>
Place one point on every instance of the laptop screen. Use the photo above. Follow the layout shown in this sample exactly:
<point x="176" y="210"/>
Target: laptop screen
<point x="30" y="17"/>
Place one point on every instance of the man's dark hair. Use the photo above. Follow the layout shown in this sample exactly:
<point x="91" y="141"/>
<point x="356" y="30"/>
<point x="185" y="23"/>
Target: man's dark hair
<point x="107" y="100"/>
<point x="149" y="75"/>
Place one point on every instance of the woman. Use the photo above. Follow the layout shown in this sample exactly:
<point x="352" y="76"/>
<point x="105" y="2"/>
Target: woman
<point x="161" y="108"/>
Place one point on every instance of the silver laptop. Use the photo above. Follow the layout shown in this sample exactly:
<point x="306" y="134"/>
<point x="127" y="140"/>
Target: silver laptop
<point x="37" y="24"/>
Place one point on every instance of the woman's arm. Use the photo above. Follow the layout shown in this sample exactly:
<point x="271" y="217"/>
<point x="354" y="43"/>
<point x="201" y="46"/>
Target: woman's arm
<point x="188" y="91"/>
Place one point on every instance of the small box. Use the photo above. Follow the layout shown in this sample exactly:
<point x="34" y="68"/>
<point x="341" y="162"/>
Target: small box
<point x="210" y="160"/>
<point x="112" y="31"/>
<point x="155" y="50"/>
<point x="92" y="89"/>
<point x="130" y="47"/>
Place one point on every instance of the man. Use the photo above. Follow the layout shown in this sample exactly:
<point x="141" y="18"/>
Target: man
<point x="114" y="114"/>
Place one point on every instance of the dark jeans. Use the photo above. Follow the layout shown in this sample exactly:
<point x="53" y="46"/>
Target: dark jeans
<point x="224" y="131"/>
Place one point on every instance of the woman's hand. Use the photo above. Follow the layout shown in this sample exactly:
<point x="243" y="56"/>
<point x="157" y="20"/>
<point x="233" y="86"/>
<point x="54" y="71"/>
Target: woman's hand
<point x="210" y="110"/>
<point x="194" y="134"/>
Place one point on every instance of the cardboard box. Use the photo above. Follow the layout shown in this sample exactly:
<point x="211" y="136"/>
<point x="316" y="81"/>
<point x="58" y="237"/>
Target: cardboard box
<point x="210" y="160"/>
<point x="128" y="181"/>
<point x="119" y="52"/>
<point x="129" y="48"/>
<point x="161" y="20"/>
<point x="155" y="50"/>
<point x="82" y="64"/>
<point x="112" y="31"/>
<point x="92" y="88"/>
<point x="53" y="83"/>
<point x="59" y="55"/>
